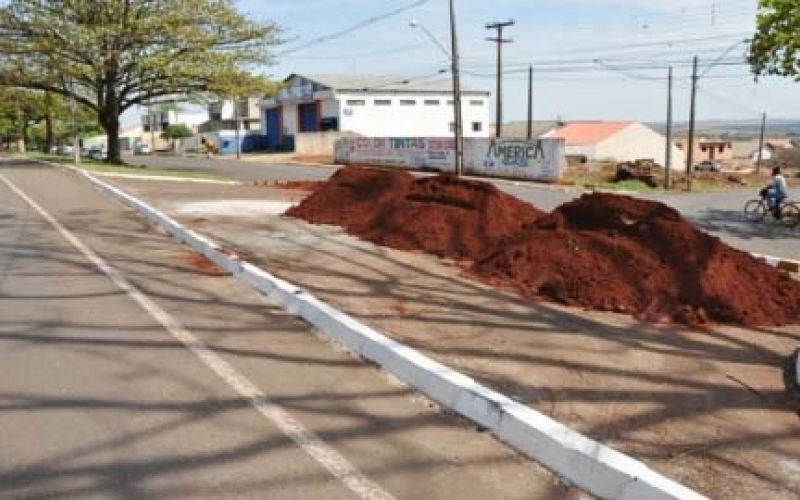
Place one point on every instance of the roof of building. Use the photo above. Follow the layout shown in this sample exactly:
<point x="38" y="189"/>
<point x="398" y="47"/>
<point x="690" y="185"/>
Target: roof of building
<point x="386" y="83"/>
<point x="519" y="129"/>
<point x="586" y="133"/>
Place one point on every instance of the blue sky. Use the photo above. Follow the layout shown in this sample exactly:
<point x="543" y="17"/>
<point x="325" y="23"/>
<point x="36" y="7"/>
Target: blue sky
<point x="559" y="37"/>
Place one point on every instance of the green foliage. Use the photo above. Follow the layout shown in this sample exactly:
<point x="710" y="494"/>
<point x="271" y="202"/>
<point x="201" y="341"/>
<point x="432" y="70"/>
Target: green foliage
<point x="111" y="55"/>
<point x="177" y="132"/>
<point x="775" y="50"/>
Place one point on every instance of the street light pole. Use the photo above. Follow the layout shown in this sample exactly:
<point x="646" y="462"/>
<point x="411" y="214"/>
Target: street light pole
<point x="459" y="131"/>
<point x="499" y="41"/>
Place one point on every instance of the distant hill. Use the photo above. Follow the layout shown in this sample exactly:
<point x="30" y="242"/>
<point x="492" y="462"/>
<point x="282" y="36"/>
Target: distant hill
<point x="737" y="130"/>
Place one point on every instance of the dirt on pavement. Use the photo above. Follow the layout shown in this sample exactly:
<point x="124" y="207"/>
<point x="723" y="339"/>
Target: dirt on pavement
<point x="602" y="252"/>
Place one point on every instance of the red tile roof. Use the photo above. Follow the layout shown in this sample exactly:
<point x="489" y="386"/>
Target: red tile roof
<point x="585" y="133"/>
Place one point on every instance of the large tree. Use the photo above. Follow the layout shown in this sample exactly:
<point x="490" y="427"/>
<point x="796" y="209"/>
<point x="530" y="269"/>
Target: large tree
<point x="112" y="55"/>
<point x="775" y="49"/>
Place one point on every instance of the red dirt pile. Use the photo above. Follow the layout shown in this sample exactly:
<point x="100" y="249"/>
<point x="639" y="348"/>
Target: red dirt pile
<point x="616" y="253"/>
<point x="443" y="215"/>
<point x="602" y="252"/>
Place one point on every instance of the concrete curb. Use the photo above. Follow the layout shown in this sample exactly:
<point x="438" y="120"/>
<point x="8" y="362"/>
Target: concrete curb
<point x="164" y="178"/>
<point x="582" y="462"/>
<point x="792" y="266"/>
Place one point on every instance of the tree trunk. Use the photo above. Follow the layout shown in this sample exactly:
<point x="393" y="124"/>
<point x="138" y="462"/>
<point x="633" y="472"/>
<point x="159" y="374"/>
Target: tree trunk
<point x="110" y="123"/>
<point x="49" y="139"/>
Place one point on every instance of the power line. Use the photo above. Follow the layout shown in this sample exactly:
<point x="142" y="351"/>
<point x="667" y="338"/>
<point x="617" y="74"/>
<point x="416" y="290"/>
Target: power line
<point x="351" y="29"/>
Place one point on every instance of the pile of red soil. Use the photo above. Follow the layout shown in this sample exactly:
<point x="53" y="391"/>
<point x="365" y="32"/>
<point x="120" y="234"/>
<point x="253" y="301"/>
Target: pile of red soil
<point x="602" y="252"/>
<point x="616" y="253"/>
<point x="442" y="215"/>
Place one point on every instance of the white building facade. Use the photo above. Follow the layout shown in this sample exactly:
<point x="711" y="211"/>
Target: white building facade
<point x="617" y="141"/>
<point x="370" y="106"/>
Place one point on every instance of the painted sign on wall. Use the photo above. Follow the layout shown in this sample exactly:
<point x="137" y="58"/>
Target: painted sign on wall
<point x="405" y="152"/>
<point x="541" y="159"/>
<point x="538" y="159"/>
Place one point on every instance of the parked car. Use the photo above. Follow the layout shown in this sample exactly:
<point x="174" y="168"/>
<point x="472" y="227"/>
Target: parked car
<point x="142" y="149"/>
<point x="65" y="150"/>
<point x="97" y="153"/>
<point x="708" y="166"/>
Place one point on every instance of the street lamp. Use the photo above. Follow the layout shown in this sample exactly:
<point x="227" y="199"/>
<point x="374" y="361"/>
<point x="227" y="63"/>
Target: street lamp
<point x="452" y="55"/>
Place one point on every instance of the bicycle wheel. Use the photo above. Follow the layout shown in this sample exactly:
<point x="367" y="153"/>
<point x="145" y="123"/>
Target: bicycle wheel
<point x="755" y="210"/>
<point x="790" y="215"/>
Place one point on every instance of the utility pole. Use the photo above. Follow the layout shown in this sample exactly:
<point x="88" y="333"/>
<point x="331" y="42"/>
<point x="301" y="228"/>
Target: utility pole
<point x="236" y="123"/>
<point x="692" y="114"/>
<point x="530" y="102"/>
<point x="668" y="159"/>
<point x="761" y="143"/>
<point x="500" y="41"/>
<point x="459" y="130"/>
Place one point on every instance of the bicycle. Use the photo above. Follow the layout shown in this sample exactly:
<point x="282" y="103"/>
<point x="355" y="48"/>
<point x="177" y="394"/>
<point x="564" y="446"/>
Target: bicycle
<point x="757" y="210"/>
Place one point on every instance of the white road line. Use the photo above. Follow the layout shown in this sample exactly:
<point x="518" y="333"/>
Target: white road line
<point x="326" y="456"/>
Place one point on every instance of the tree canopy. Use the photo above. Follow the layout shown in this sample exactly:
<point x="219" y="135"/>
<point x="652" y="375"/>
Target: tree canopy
<point x="775" y="50"/>
<point x="111" y="55"/>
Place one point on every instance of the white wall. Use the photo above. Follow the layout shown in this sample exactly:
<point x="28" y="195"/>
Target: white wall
<point x="636" y="142"/>
<point x="330" y="108"/>
<point x="289" y="119"/>
<point x="419" y="120"/>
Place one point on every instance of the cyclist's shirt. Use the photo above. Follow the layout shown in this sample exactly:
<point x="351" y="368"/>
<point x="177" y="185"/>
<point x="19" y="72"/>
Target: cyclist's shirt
<point x="779" y="186"/>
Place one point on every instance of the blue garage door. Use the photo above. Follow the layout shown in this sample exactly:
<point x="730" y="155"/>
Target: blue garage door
<point x="307" y="117"/>
<point x="273" y="128"/>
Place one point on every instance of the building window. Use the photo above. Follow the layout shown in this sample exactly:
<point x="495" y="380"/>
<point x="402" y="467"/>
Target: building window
<point x="408" y="102"/>
<point x="356" y="102"/>
<point x="476" y="103"/>
<point x="452" y="127"/>
<point x="216" y="117"/>
<point x="722" y="149"/>
<point x="383" y="102"/>
<point x="477" y="126"/>
<point x="432" y="102"/>
<point x="451" y="102"/>
<point x="243" y="108"/>
<point x="703" y="149"/>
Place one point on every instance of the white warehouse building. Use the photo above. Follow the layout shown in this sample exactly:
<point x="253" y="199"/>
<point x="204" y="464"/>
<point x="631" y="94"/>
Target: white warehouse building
<point x="370" y="106"/>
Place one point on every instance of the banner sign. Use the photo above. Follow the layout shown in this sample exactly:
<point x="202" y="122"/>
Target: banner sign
<point x="540" y="159"/>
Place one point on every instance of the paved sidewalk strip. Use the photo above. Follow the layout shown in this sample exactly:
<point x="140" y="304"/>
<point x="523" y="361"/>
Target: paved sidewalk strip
<point x="581" y="461"/>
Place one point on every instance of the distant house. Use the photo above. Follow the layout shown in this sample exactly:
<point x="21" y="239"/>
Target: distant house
<point x="709" y="149"/>
<point x="371" y="106"/>
<point x="616" y="141"/>
<point x="222" y="115"/>
<point x="749" y="149"/>
<point x="158" y="116"/>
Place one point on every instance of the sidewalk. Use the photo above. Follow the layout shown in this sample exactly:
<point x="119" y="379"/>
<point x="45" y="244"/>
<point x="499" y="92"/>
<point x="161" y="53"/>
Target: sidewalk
<point x="708" y="408"/>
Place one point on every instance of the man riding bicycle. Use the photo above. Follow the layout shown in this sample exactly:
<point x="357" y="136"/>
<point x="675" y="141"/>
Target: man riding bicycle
<point x="776" y="192"/>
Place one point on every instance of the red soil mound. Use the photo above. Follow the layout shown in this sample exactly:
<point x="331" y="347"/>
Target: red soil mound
<point x="602" y="252"/>
<point x="616" y="253"/>
<point x="442" y="215"/>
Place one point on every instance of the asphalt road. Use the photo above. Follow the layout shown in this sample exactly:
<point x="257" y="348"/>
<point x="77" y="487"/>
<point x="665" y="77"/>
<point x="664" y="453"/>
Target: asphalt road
<point x="719" y="213"/>
<point x="130" y="370"/>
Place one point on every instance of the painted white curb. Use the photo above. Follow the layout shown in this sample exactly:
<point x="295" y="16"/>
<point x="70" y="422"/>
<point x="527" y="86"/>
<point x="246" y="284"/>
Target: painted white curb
<point x="164" y="178"/>
<point x="792" y="266"/>
<point x="582" y="462"/>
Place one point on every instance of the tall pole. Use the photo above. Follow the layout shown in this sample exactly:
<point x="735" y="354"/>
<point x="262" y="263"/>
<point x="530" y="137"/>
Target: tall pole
<point x="761" y="143"/>
<point x="459" y="131"/>
<point x="668" y="158"/>
<point x="692" y="114"/>
<point x="530" y="102"/>
<point x="236" y="123"/>
<point x="500" y="41"/>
